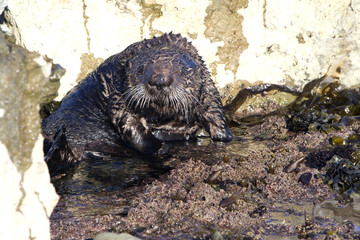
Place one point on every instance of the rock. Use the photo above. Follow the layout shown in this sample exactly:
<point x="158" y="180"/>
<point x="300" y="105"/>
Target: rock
<point x="9" y="26"/>
<point x="248" y="41"/>
<point x="305" y="178"/>
<point x="3" y="5"/>
<point x="286" y="43"/>
<point x="114" y="236"/>
<point x="217" y="236"/>
<point x="27" y="197"/>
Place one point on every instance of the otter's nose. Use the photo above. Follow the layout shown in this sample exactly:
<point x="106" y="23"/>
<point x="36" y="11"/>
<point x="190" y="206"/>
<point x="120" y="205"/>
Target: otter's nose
<point x="158" y="81"/>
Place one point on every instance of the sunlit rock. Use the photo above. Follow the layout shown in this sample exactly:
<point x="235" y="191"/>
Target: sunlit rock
<point x="286" y="42"/>
<point x="114" y="236"/>
<point x="27" y="197"/>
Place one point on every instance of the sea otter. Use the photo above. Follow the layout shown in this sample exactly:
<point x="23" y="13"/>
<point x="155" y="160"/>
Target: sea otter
<point x="154" y="91"/>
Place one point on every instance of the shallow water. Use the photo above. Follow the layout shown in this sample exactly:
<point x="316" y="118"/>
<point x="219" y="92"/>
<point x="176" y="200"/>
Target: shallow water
<point x="108" y="174"/>
<point x="114" y="173"/>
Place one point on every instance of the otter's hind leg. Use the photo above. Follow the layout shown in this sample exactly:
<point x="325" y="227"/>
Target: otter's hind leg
<point x="60" y="155"/>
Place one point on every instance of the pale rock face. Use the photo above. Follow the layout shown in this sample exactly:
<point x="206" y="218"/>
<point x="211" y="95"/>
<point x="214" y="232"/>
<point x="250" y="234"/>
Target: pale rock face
<point x="9" y="197"/>
<point x="40" y="196"/>
<point x="27" y="197"/>
<point x="114" y="236"/>
<point x="300" y="40"/>
<point x="55" y="29"/>
<point x="112" y="32"/>
<point x="274" y="41"/>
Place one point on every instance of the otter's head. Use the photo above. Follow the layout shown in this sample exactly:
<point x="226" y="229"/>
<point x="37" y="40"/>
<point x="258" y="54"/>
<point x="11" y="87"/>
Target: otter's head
<point x="165" y="80"/>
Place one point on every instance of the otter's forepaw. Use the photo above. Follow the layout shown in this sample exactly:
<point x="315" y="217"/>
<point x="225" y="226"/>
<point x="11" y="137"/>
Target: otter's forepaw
<point x="221" y="134"/>
<point x="153" y="146"/>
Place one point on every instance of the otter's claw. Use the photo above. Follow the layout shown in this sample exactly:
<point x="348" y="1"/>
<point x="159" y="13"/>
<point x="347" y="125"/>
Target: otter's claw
<point x="222" y="134"/>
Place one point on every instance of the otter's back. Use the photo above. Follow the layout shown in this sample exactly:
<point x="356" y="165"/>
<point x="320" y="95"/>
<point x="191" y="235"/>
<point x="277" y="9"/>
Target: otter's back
<point x="83" y="113"/>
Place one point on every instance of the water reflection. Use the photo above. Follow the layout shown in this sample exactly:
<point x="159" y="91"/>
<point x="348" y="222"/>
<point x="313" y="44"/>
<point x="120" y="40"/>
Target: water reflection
<point x="111" y="173"/>
<point x="99" y="173"/>
<point x="340" y="213"/>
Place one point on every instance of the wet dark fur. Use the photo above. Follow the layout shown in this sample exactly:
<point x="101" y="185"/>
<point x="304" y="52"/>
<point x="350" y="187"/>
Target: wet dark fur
<point x="154" y="91"/>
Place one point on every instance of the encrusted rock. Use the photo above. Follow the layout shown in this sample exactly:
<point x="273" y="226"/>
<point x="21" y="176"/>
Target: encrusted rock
<point x="27" y="197"/>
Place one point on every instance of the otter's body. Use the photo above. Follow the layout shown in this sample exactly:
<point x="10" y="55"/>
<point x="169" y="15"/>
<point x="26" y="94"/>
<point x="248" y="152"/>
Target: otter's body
<point x="154" y="91"/>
